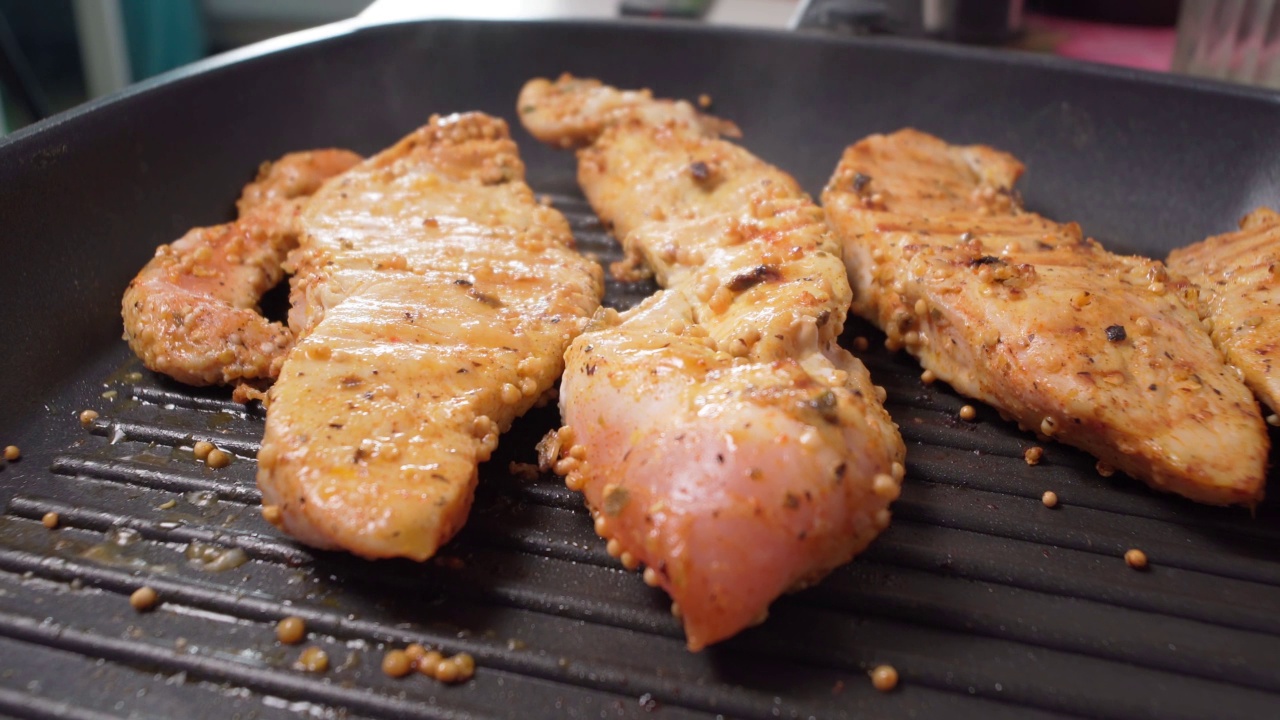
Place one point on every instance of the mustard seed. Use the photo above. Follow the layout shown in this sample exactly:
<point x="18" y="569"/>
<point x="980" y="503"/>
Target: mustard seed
<point x="218" y="459"/>
<point x="291" y="630"/>
<point x="12" y="453"/>
<point x="884" y="678"/>
<point x="202" y="449"/>
<point x="272" y="514"/>
<point x="143" y="599"/>
<point x="50" y="520"/>
<point x="415" y="652"/>
<point x="1048" y="426"/>
<point x="466" y="666"/>
<point x="447" y="671"/>
<point x="396" y="664"/>
<point x="88" y="416"/>
<point x="968" y="412"/>
<point x="1050" y="498"/>
<point x="1135" y="558"/>
<point x="313" y="659"/>
<point x="429" y="662"/>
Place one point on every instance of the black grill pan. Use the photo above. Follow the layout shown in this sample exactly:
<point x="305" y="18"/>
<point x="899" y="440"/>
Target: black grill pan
<point x="989" y="604"/>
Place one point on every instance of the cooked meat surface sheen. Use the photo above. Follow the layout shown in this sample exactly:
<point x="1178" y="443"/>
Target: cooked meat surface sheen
<point x="720" y="435"/>
<point x="1240" y="297"/>
<point x="1097" y="350"/>
<point x="433" y="300"/>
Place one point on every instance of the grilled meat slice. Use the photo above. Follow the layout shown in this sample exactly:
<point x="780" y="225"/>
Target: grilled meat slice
<point x="192" y="312"/>
<point x="1240" y="297"/>
<point x="1097" y="350"/>
<point x="720" y="435"/>
<point x="434" y="299"/>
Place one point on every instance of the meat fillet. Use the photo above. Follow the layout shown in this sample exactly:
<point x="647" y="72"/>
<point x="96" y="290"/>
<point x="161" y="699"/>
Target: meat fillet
<point x="1096" y="350"/>
<point x="720" y="435"/>
<point x="433" y="302"/>
<point x="1240" y="297"/>
<point x="192" y="312"/>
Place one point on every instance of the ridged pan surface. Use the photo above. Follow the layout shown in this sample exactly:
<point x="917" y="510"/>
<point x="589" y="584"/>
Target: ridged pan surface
<point x="989" y="604"/>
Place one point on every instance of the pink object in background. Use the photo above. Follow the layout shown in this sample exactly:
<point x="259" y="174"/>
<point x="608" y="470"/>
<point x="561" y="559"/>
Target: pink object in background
<point x="1148" y="48"/>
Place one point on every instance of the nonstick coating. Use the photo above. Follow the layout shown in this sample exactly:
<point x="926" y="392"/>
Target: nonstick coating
<point x="989" y="604"/>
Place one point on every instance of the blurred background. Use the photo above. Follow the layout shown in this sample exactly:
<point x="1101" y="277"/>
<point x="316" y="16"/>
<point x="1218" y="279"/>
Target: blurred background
<point x="55" y="54"/>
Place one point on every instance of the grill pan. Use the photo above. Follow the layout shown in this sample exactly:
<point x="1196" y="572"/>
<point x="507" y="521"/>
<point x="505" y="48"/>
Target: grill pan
<point x="989" y="604"/>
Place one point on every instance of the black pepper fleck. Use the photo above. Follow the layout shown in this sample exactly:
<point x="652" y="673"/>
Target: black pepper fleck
<point x="1116" y="333"/>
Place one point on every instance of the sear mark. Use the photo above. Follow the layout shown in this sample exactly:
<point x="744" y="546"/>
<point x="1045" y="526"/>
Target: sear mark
<point x="756" y="275"/>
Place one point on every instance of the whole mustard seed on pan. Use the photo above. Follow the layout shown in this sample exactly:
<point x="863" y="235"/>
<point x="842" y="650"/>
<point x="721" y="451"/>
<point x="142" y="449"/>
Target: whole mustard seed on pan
<point x="218" y="459"/>
<point x="416" y="652"/>
<point x="968" y="412"/>
<point x="313" y="659"/>
<point x="143" y="599"/>
<point x="884" y="678"/>
<point x="396" y="663"/>
<point x="12" y="453"/>
<point x="291" y="630"/>
<point x="428" y="663"/>
<point x="1135" y="558"/>
<point x="466" y="666"/>
<point x="88" y="416"/>
<point x="202" y="449"/>
<point x="1050" y="498"/>
<point x="50" y="520"/>
<point x="447" y="671"/>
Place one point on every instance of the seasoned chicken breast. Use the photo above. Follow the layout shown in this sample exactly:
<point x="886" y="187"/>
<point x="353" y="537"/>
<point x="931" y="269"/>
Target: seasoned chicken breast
<point x="192" y="312"/>
<point x="720" y="435"/>
<point x="1096" y="350"/>
<point x="434" y="299"/>
<point x="1240" y="297"/>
